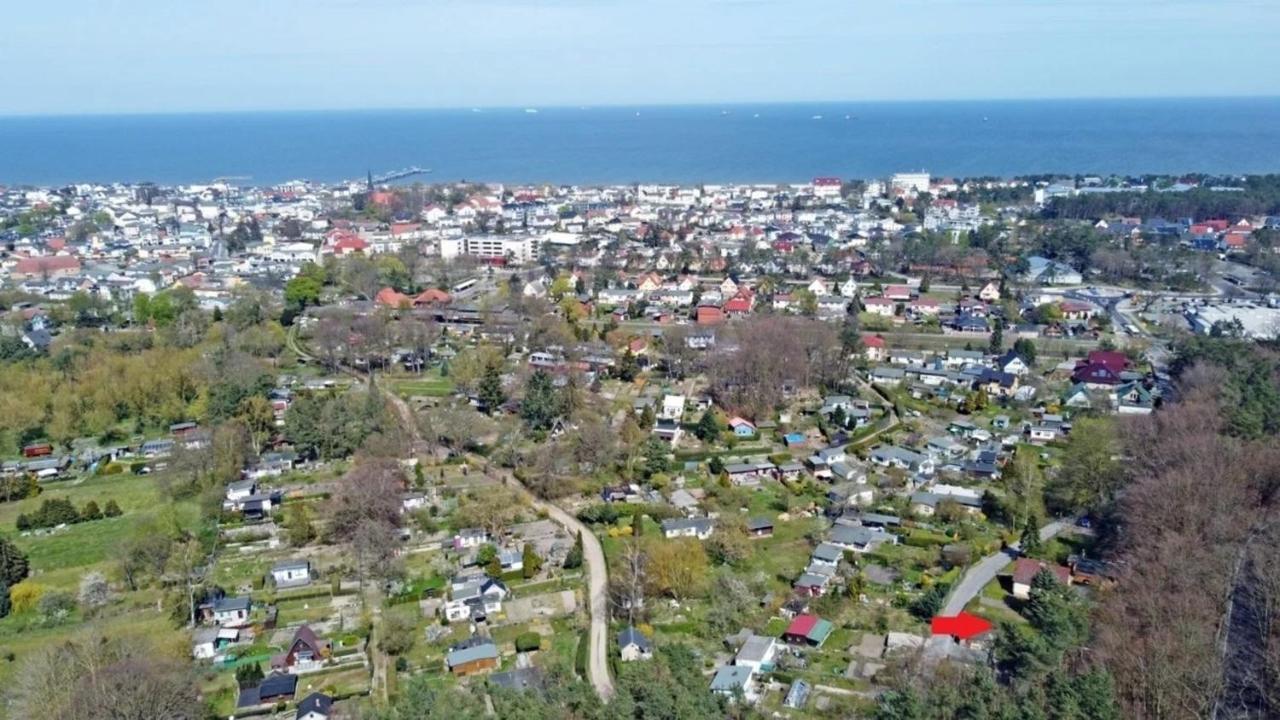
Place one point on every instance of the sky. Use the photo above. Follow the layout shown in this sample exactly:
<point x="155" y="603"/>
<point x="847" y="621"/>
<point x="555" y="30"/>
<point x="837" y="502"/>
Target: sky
<point x="128" y="56"/>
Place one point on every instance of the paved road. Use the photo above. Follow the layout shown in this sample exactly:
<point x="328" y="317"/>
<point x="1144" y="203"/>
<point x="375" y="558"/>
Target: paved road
<point x="986" y="569"/>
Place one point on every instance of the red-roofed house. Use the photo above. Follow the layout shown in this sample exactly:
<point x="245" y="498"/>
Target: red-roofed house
<point x="389" y="297"/>
<point x="880" y="306"/>
<point x="432" y="296"/>
<point x="306" y="652"/>
<point x="339" y="243"/>
<point x="1026" y="569"/>
<point x="873" y="348"/>
<point x="807" y="630"/>
<point x="897" y="292"/>
<point x="46" y="266"/>
<point x="382" y="198"/>
<point x="1076" y="310"/>
<point x="739" y="304"/>
<point x="1114" y="360"/>
<point x="827" y="187"/>
<point x="923" y="306"/>
<point x="709" y="315"/>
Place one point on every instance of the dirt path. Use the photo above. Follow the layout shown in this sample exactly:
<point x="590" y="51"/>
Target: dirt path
<point x="593" y="556"/>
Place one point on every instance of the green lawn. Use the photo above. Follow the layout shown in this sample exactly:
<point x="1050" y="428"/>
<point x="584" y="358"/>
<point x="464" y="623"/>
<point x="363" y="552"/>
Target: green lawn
<point x="131" y="492"/>
<point x="428" y="384"/>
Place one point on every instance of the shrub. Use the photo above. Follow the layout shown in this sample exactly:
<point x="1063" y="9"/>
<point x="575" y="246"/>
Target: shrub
<point x="56" y="606"/>
<point x="25" y="595"/>
<point x="52" y="512"/>
<point x="90" y="511"/>
<point x="526" y="642"/>
<point x="112" y="509"/>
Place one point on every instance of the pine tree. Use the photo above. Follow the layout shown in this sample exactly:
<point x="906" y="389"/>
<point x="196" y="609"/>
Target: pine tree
<point x="573" y="560"/>
<point x="532" y="563"/>
<point x="997" y="339"/>
<point x="5" y="604"/>
<point x="708" y="428"/>
<point x="1030" y="540"/>
<point x="491" y="393"/>
<point x="13" y="564"/>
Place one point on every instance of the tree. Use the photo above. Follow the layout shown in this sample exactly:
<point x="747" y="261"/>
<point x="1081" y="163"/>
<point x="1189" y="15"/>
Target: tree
<point x="1030" y="538"/>
<point x="729" y="544"/>
<point x="1090" y="474"/>
<point x="90" y="676"/>
<point x="94" y="590"/>
<point x="996" y="345"/>
<point x="13" y="564"/>
<point x="249" y="674"/>
<point x="628" y="366"/>
<point x="532" y="562"/>
<point x="112" y="509"/>
<point x="540" y="406"/>
<point x="492" y="396"/>
<point x="573" y="560"/>
<point x="300" y="528"/>
<point x="676" y="568"/>
<point x="709" y="426"/>
<point x="90" y="511"/>
<point x="1025" y="349"/>
<point x="397" y="634"/>
<point x="715" y="466"/>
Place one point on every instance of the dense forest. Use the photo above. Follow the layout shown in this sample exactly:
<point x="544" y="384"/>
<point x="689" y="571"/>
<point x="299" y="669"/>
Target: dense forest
<point x="1258" y="195"/>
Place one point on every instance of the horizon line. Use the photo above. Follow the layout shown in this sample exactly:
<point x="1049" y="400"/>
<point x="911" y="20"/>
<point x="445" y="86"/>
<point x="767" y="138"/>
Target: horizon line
<point x="634" y="105"/>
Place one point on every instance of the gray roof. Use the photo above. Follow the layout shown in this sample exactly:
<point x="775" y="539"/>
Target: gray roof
<point x="481" y="651"/>
<point x="632" y="636"/>
<point x="730" y="678"/>
<point x="754" y="649"/>
<point x="697" y="524"/>
<point x="828" y="553"/>
<point x="846" y="535"/>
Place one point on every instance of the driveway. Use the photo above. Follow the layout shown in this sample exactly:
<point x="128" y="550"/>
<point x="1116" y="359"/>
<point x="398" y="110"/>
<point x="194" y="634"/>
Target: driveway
<point x="986" y="570"/>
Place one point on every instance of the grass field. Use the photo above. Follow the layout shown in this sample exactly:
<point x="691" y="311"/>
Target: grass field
<point x="428" y="384"/>
<point x="60" y="557"/>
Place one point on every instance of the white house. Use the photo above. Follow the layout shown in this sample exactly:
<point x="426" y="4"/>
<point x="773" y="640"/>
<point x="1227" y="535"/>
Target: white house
<point x="672" y="407"/>
<point x="291" y="573"/>
<point x="633" y="645"/>
<point x="700" y="528"/>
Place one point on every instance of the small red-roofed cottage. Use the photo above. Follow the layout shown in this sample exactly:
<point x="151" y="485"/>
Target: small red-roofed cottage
<point x="897" y="292"/>
<point x="709" y="315"/>
<point x="739" y="304"/>
<point x="46" y="266"/>
<point x="432" y="296"/>
<point x="389" y="297"/>
<point x="1025" y="571"/>
<point x="873" y="348"/>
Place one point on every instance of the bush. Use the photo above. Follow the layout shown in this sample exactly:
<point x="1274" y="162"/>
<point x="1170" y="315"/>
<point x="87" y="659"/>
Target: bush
<point x="111" y="468"/>
<point x="526" y="642"/>
<point x="112" y="509"/>
<point x="25" y="595"/>
<point x="52" y="512"/>
<point x="90" y="511"/>
<point x="56" y="606"/>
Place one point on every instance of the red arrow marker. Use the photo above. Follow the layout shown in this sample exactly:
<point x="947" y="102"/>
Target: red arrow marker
<point x="963" y="626"/>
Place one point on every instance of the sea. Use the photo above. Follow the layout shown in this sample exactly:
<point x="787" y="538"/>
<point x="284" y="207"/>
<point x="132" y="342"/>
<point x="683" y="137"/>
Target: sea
<point x="664" y="144"/>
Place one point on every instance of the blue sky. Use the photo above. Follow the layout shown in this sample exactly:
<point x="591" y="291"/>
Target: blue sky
<point x="108" y="56"/>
